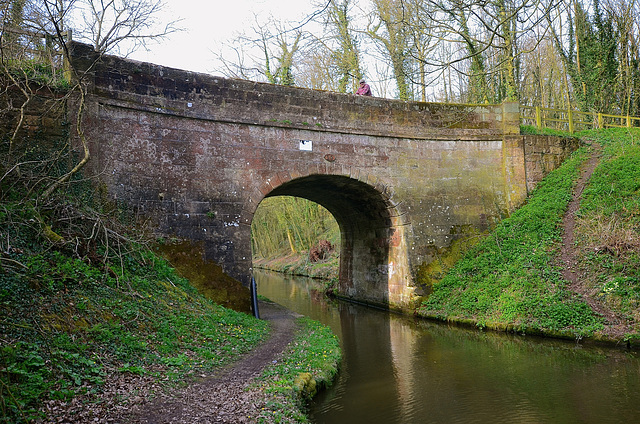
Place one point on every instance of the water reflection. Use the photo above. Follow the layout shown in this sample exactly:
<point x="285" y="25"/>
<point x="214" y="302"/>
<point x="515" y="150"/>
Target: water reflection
<point x="399" y="370"/>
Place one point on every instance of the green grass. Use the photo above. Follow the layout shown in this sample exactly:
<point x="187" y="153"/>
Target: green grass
<point x="608" y="226"/>
<point x="310" y="363"/>
<point x="35" y="70"/>
<point x="70" y="321"/>
<point x="533" y="130"/>
<point x="614" y="187"/>
<point x="512" y="279"/>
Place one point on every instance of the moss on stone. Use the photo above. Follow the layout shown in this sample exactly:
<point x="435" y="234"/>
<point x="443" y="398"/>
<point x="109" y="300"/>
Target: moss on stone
<point x="443" y="258"/>
<point x="206" y="276"/>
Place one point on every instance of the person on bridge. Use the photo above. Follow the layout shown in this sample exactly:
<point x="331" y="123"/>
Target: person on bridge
<point x="364" y="89"/>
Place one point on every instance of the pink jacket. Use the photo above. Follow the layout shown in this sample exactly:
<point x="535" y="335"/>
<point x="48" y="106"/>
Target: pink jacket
<point x="364" y="90"/>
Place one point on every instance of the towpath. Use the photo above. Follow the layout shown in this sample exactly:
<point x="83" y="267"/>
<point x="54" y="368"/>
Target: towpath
<point x="615" y="325"/>
<point x="226" y="396"/>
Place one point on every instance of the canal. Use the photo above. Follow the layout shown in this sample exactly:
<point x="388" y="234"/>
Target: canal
<point x="396" y="369"/>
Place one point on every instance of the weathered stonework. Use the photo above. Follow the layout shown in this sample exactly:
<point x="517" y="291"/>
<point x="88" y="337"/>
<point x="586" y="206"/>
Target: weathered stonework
<point x="544" y="154"/>
<point x="44" y="114"/>
<point x="405" y="181"/>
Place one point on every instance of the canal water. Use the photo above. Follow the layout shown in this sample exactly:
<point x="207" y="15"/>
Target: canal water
<point x="397" y="369"/>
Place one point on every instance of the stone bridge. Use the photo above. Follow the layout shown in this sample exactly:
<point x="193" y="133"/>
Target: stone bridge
<point x="409" y="183"/>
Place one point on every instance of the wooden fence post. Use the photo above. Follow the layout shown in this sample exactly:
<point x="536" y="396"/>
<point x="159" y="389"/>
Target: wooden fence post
<point x="66" y="61"/>
<point x="570" y="119"/>
<point x="628" y="122"/>
<point x="538" y="118"/>
<point x="600" y="120"/>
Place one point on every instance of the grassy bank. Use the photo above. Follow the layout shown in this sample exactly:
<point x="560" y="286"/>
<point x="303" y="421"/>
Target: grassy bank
<point x="296" y="264"/>
<point x="92" y="319"/>
<point x="513" y="281"/>
<point x="74" y="327"/>
<point x="310" y="364"/>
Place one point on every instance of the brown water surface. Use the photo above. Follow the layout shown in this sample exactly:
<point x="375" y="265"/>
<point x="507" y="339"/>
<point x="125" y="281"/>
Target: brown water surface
<point x="400" y="370"/>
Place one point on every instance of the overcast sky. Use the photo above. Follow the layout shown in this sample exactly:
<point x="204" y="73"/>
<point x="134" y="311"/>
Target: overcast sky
<point x="208" y="24"/>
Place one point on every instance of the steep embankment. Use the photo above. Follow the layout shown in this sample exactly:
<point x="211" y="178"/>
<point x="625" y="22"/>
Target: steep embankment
<point x="93" y="323"/>
<point x="538" y="273"/>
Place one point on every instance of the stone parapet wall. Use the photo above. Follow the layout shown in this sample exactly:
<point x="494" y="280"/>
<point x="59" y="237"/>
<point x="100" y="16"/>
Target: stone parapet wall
<point x="201" y="96"/>
<point x="544" y="153"/>
<point x="44" y="114"/>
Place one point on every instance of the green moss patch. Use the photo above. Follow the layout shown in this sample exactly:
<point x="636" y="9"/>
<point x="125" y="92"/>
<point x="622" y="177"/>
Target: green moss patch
<point x="188" y="260"/>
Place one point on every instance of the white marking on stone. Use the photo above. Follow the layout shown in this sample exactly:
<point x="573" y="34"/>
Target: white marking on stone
<point x="306" y="145"/>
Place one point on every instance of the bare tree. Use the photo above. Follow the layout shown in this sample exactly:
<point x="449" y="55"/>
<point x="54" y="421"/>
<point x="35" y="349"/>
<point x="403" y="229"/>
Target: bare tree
<point x="345" y="54"/>
<point x="268" y="52"/>
<point x="122" y="26"/>
<point x="626" y="17"/>
<point x="425" y="36"/>
<point x="33" y="41"/>
<point x="484" y="41"/>
<point x="316" y="69"/>
<point x="389" y="28"/>
<point x="543" y="80"/>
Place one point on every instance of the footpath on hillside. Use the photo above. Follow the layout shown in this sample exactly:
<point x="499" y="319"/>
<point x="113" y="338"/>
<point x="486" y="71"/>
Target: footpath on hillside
<point x="615" y="326"/>
<point x="226" y="396"/>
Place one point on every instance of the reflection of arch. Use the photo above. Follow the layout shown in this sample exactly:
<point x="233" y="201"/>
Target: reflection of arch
<point x="368" y="220"/>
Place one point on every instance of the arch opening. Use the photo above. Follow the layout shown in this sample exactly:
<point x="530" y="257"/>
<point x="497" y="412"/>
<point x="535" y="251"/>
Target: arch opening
<point x="364" y="218"/>
<point x="297" y="234"/>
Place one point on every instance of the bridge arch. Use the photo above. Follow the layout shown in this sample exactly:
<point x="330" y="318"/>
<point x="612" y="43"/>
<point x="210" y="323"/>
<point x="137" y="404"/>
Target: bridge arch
<point x="197" y="153"/>
<point x="372" y="230"/>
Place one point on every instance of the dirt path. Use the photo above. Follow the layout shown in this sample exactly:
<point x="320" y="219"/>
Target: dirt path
<point x="223" y="397"/>
<point x="615" y="326"/>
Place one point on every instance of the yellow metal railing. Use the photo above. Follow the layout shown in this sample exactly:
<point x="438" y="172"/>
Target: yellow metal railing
<point x="573" y="120"/>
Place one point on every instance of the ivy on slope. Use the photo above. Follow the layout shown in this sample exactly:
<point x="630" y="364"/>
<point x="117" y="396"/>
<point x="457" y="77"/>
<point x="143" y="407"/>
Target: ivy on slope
<point x="71" y="323"/>
<point x="614" y="189"/>
<point x="510" y="281"/>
